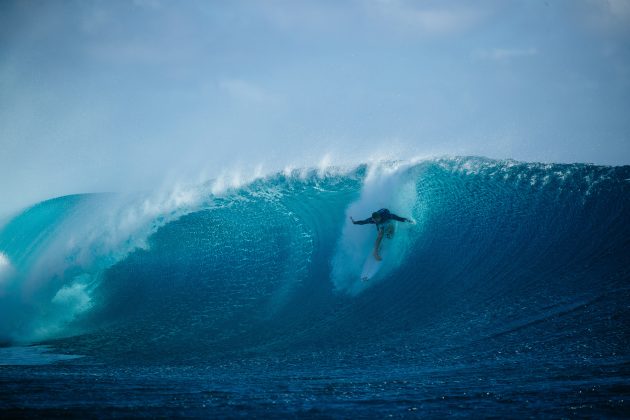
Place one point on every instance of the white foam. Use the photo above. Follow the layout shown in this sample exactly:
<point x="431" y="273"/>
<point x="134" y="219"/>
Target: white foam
<point x="5" y="273"/>
<point x="74" y="298"/>
<point x="234" y="179"/>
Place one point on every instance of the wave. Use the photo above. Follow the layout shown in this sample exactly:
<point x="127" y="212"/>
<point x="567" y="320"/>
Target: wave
<point x="500" y="249"/>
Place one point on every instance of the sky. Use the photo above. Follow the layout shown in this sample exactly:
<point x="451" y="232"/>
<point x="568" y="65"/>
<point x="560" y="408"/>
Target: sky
<point x="110" y="95"/>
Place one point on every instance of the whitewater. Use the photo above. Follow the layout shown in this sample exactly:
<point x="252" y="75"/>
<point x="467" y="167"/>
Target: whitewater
<point x="508" y="296"/>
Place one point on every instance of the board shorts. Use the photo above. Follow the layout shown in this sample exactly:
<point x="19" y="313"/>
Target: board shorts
<point x="386" y="227"/>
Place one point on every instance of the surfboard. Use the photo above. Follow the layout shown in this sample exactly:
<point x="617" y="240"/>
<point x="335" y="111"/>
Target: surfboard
<point x="370" y="267"/>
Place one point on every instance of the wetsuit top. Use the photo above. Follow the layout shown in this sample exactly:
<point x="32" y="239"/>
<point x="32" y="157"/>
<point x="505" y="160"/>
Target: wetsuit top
<point x="386" y="216"/>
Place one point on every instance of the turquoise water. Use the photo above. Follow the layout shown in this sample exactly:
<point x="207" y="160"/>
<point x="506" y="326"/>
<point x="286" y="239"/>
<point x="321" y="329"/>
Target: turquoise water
<point x="509" y="296"/>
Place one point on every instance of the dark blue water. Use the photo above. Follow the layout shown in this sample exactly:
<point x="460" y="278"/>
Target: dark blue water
<point x="509" y="297"/>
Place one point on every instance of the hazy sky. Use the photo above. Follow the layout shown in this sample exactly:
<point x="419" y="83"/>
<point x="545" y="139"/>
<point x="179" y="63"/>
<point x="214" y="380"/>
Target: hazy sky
<point x="110" y="95"/>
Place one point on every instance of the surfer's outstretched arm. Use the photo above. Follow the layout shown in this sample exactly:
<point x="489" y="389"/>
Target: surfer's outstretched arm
<point x="399" y="219"/>
<point x="362" y="222"/>
<point x="377" y="245"/>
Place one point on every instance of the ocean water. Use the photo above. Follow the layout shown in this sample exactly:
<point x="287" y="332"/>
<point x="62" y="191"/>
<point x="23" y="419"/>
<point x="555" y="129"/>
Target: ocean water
<point x="509" y="296"/>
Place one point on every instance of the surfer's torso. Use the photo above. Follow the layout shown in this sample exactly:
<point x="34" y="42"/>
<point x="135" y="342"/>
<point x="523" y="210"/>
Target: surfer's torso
<point x="385" y="221"/>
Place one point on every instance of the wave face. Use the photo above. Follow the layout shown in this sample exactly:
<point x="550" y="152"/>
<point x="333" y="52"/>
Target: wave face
<point x="528" y="258"/>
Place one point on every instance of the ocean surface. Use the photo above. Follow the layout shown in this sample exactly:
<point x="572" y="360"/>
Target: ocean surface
<point x="508" y="297"/>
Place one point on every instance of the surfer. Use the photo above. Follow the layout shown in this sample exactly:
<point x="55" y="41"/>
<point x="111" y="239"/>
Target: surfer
<point x="383" y="219"/>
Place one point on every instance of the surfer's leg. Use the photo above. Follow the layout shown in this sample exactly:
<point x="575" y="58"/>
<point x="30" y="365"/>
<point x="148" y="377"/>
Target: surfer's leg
<point x="389" y="230"/>
<point x="377" y="245"/>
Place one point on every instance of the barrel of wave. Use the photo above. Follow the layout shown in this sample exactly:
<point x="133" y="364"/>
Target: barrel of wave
<point x="389" y="185"/>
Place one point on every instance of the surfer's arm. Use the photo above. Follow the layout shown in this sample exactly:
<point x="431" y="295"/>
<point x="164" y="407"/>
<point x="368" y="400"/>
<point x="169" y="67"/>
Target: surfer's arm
<point x="398" y="218"/>
<point x="362" y="222"/>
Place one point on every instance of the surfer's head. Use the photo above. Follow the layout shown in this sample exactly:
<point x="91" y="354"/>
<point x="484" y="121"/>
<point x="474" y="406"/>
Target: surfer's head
<point x="376" y="216"/>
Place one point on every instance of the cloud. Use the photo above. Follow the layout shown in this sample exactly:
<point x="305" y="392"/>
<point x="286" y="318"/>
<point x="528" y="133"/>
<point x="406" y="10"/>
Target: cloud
<point x="244" y="91"/>
<point x="432" y="18"/>
<point x="389" y="16"/>
<point x="148" y="4"/>
<point x="619" y="9"/>
<point x="504" y="54"/>
<point x="608" y="16"/>
<point x="305" y="15"/>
